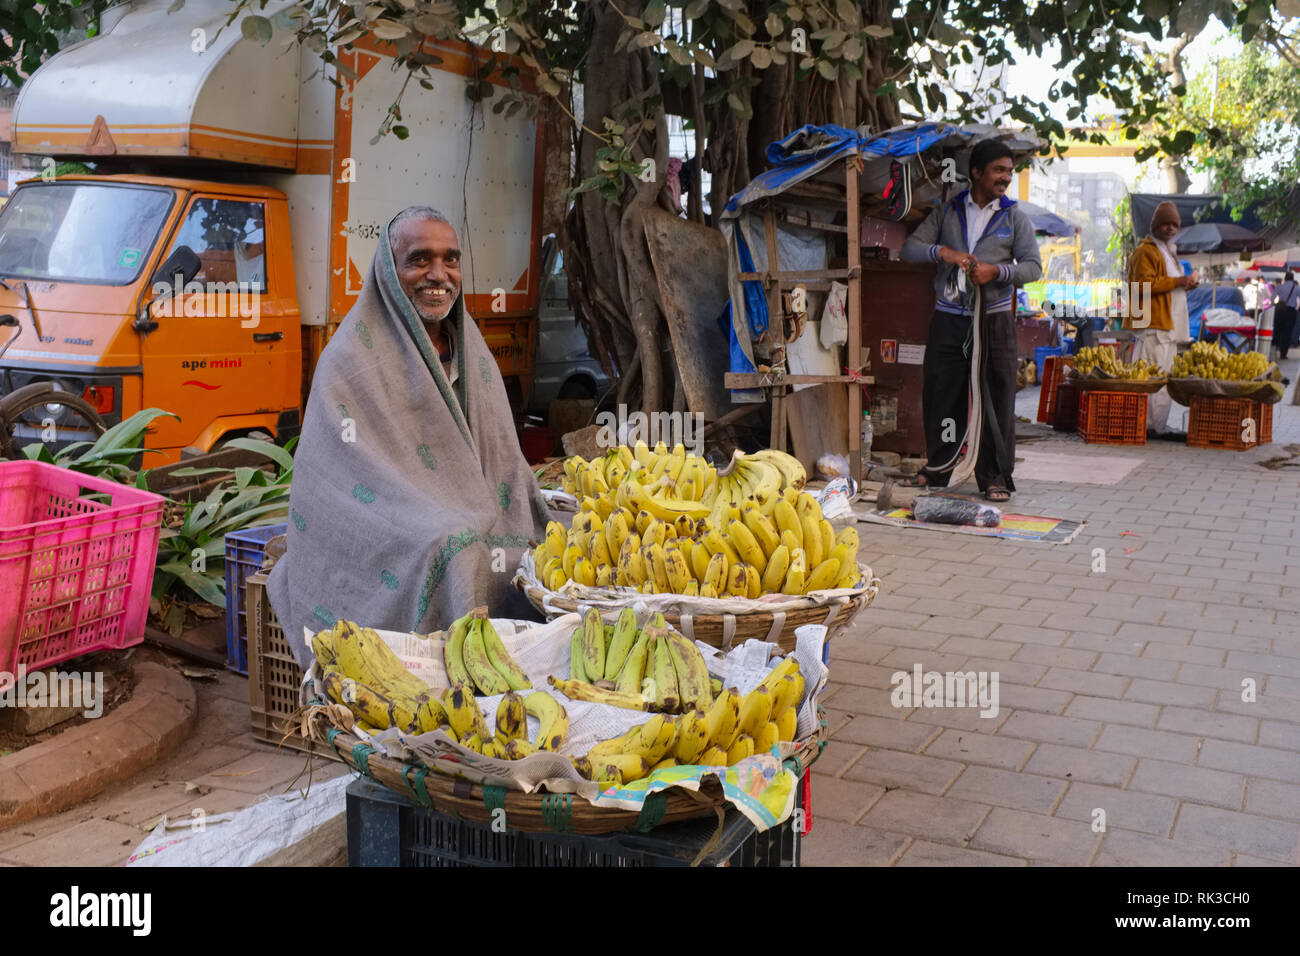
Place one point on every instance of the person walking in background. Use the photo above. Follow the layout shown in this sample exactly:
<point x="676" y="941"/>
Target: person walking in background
<point x="1288" y="302"/>
<point x="1159" y="316"/>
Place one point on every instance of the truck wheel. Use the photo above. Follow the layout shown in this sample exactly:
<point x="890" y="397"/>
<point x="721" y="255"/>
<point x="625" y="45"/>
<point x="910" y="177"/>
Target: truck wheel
<point x="15" y="406"/>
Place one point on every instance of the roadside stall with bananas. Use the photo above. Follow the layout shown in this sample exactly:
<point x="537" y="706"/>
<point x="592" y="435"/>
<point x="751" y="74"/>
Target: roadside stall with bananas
<point x="725" y="555"/>
<point x="573" y="725"/>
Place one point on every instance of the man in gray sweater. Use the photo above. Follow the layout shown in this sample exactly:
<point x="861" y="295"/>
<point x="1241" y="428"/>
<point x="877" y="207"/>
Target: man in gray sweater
<point x="983" y="242"/>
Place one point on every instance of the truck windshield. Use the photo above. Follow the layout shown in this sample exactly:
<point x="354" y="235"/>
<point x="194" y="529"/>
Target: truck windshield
<point x="80" y="232"/>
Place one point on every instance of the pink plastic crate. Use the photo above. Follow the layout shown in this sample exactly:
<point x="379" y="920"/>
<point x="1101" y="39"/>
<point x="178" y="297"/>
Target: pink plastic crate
<point x="76" y="564"/>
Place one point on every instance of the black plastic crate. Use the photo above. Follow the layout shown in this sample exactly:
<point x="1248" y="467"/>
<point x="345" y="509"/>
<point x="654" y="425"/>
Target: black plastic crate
<point x="385" y="829"/>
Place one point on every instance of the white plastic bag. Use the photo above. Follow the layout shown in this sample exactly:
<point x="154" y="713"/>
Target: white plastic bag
<point x="835" y="322"/>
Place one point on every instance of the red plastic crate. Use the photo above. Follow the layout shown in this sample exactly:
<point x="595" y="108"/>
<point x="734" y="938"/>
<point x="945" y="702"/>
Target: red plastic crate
<point x="77" y="558"/>
<point x="1113" y="418"/>
<point x="1053" y="372"/>
<point x="1214" y="422"/>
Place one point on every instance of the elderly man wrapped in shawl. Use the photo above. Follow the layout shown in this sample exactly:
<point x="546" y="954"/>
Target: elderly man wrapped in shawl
<point x="1158" y="310"/>
<point x="411" y="500"/>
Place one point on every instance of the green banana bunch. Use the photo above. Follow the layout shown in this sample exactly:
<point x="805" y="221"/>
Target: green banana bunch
<point x="633" y="671"/>
<point x="486" y="677"/>
<point x="453" y="651"/>
<point x="553" y="718"/>
<point x="693" y="686"/>
<point x="593" y="645"/>
<point x="620" y="645"/>
<point x="662" y="672"/>
<point x="501" y="660"/>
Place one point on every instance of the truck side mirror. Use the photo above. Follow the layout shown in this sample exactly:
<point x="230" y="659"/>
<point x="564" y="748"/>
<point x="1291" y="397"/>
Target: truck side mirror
<point x="177" y="269"/>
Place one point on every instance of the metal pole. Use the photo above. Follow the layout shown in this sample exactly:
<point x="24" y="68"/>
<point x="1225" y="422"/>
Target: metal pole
<point x="854" y="345"/>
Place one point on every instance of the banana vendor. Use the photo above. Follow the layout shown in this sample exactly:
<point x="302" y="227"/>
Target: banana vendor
<point x="985" y="247"/>
<point x="411" y="501"/>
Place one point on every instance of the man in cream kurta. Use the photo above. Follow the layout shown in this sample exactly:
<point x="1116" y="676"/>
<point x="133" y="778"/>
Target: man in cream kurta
<point x="1159" y="317"/>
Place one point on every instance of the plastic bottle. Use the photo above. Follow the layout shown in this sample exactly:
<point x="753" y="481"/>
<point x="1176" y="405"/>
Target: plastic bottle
<point x="867" y="434"/>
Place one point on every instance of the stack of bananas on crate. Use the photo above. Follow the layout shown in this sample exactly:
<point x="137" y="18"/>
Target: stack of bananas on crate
<point x="1099" y="361"/>
<point x="358" y="670"/>
<point x="1207" y="360"/>
<point x="757" y="534"/>
<point x="652" y="669"/>
<point x="731" y="729"/>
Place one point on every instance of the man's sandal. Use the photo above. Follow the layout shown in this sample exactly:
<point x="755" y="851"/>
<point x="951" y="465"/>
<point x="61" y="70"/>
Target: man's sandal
<point x="997" y="493"/>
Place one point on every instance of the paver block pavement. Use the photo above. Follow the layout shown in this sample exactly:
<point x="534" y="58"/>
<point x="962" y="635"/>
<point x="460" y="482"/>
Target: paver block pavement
<point x="1124" y="809"/>
<point x="923" y="815"/>
<point x="1125" y="848"/>
<point x="1249" y="759"/>
<point x="893" y="768"/>
<point x="1049" y="728"/>
<point x="1073" y="763"/>
<point x="1118" y="738"/>
<point x="92" y="843"/>
<point x="834" y="798"/>
<point x="976" y="748"/>
<point x="1272" y="798"/>
<point x="1187" y="720"/>
<point x="1229" y="830"/>
<point x="1036" y="837"/>
<point x="842" y="844"/>
<point x="1005" y="788"/>
<point x="1197" y="784"/>
<point x="924" y="853"/>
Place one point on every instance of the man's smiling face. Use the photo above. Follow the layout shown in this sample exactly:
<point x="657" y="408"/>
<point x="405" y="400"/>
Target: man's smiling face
<point x="994" y="178"/>
<point x="427" y="254"/>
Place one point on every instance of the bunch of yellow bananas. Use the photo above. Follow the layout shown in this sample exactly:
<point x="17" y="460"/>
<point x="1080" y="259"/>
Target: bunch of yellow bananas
<point x="654" y="669"/>
<point x="731" y="729"/>
<point x="1099" y="361"/>
<point x="674" y="478"/>
<point x="738" y="549"/>
<point x="1213" y="361"/>
<point x="361" y="672"/>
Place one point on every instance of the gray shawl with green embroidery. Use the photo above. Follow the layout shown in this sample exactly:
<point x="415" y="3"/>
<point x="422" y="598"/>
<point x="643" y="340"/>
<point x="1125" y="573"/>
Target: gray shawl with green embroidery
<point x="411" y="501"/>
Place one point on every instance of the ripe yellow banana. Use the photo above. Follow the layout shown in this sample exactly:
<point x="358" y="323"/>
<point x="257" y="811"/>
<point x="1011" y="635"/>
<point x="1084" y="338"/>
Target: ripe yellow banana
<point x="677" y="570"/>
<point x="554" y="720"/>
<point x="708" y="591"/>
<point x="463" y="712"/>
<point x="827" y="538"/>
<point x="738" y="580"/>
<point x="783" y="694"/>
<point x="512" y="719"/>
<point x="794" y="578"/>
<point x="742" y="748"/>
<point x="580" y="690"/>
<point x="715" y="756"/>
<point x="555" y="539"/>
<point x="767" y="738"/>
<point x="812" y="540"/>
<point x="849" y="536"/>
<point x="788" y="521"/>
<point x="516" y="749"/>
<point x="717" y="544"/>
<point x="724" y="718"/>
<point x="777" y="566"/>
<point x="322" y="645"/>
<point x="755" y="710"/>
<point x="746" y="545"/>
<point x="753" y="581"/>
<point x="572" y="555"/>
<point x="584" y="572"/>
<point x="762" y="528"/>
<point x="692" y="737"/>
<point x="787" y="725"/>
<point x="823" y="576"/>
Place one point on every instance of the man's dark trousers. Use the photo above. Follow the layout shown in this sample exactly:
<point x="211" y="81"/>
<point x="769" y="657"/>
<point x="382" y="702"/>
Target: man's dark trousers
<point x="944" y="394"/>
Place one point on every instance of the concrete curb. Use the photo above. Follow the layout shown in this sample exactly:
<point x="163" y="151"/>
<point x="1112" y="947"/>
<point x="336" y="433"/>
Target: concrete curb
<point x="74" y="766"/>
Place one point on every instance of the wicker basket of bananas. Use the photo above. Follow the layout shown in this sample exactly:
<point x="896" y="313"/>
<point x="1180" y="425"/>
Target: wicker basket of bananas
<point x="1097" y="368"/>
<point x="439" y="746"/>
<point x="725" y="556"/>
<point x="1211" y="370"/>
